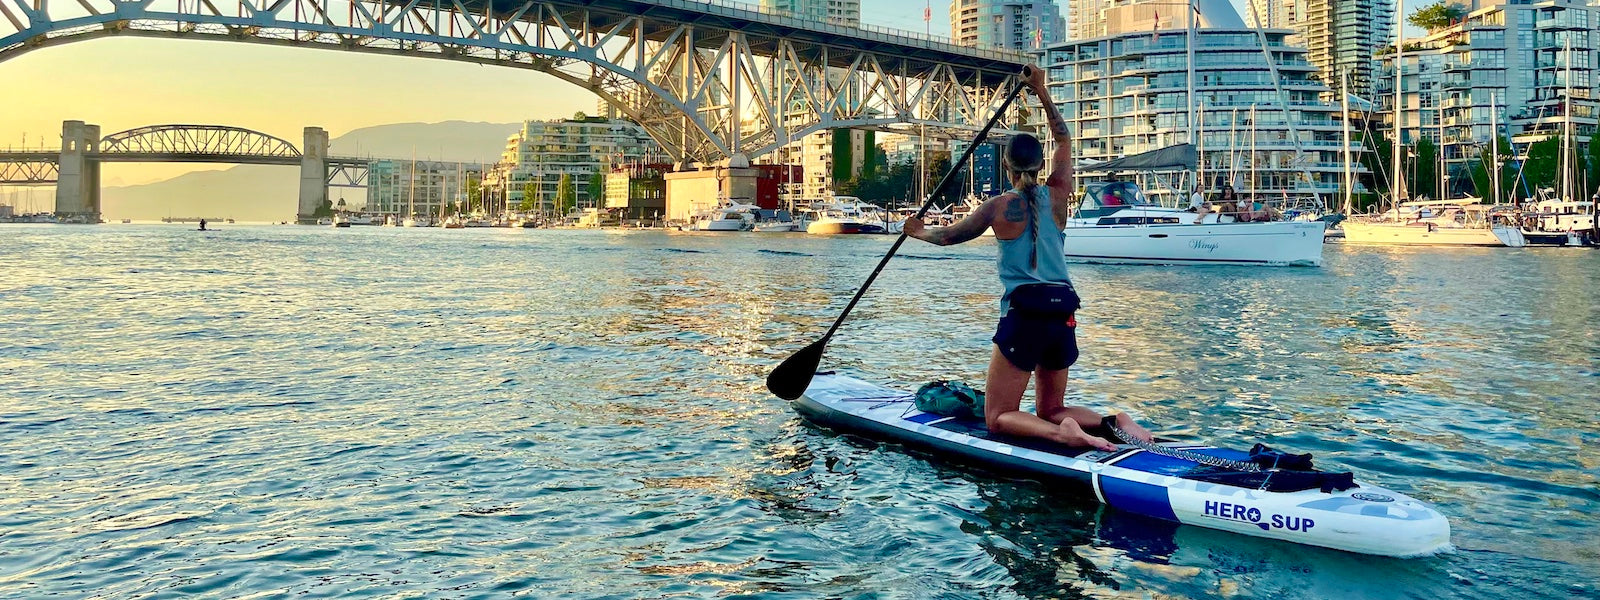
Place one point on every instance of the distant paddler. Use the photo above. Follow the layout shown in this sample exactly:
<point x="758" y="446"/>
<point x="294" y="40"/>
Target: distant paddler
<point x="1037" y="334"/>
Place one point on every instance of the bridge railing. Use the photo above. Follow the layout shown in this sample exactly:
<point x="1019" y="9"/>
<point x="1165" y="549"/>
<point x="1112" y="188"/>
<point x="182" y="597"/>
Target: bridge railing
<point x="903" y="36"/>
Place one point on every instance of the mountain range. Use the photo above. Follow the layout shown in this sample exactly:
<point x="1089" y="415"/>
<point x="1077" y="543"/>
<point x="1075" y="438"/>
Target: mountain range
<point x="271" y="193"/>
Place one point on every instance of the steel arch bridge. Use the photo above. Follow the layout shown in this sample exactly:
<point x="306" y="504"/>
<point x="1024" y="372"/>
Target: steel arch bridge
<point x="709" y="80"/>
<point x="197" y="143"/>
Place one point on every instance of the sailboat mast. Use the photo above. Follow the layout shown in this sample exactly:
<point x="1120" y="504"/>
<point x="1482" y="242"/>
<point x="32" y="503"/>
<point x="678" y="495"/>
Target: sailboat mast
<point x="1188" y="43"/>
<point x="1566" y="125"/>
<point x="1200" y="148"/>
<point x="1398" y="189"/>
<point x="1255" y="178"/>
<point x="1494" y="150"/>
<point x="1349" y="178"/>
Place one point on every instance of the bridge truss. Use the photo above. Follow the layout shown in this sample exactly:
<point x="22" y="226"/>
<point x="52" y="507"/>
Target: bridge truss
<point x="196" y="143"/>
<point x="29" y="168"/>
<point x="709" y="80"/>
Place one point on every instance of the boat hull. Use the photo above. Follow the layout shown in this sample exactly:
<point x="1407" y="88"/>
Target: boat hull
<point x="718" y="225"/>
<point x="1365" y="519"/>
<point x="1395" y="234"/>
<point x="1283" y="243"/>
<point x="835" y="228"/>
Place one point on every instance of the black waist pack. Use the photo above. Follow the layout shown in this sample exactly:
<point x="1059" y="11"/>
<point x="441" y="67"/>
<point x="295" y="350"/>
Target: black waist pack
<point x="1045" y="299"/>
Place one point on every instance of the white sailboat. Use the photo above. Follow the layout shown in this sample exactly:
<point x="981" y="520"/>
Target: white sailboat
<point x="1561" y="218"/>
<point x="1462" y="222"/>
<point x="1116" y="224"/>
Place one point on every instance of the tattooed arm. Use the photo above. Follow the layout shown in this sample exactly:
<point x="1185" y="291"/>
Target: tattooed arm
<point x="964" y="230"/>
<point x="1060" y="179"/>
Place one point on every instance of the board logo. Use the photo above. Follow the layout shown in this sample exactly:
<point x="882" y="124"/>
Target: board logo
<point x="1253" y="516"/>
<point x="1369" y="497"/>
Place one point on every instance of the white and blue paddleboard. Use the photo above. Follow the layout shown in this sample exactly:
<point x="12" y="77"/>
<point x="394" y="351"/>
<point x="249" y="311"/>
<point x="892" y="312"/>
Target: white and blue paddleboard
<point x="1192" y="484"/>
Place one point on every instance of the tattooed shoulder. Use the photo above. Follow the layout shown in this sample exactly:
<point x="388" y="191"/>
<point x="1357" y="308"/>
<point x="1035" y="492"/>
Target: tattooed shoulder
<point x="1014" y="209"/>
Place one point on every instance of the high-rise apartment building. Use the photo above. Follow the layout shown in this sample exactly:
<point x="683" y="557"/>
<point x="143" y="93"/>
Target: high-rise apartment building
<point x="1010" y="24"/>
<point x="1098" y="18"/>
<point x="1509" y="61"/>
<point x="581" y="149"/>
<point x="1129" y="93"/>
<point x="419" y="187"/>
<point x="837" y="12"/>
<point x="1340" y="36"/>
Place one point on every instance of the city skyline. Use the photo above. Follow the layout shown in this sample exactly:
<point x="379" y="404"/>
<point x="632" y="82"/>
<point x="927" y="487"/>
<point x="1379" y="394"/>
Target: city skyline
<point x="189" y="81"/>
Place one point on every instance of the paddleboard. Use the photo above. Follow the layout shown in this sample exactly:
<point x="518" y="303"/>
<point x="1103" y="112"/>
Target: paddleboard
<point x="1193" y="484"/>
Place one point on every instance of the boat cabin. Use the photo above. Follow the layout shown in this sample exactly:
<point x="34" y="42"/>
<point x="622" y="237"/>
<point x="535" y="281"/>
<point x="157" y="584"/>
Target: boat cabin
<point x="1104" y="198"/>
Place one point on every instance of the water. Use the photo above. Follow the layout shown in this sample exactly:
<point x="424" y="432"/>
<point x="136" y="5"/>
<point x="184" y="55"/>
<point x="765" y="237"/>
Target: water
<point x="270" y="412"/>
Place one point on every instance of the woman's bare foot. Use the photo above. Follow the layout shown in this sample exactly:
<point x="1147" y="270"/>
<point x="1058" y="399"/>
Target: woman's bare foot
<point x="1133" y="428"/>
<point x="1071" y="434"/>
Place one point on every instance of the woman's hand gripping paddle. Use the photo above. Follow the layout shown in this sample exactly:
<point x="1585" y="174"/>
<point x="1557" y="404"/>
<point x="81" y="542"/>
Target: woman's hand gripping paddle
<point x="792" y="376"/>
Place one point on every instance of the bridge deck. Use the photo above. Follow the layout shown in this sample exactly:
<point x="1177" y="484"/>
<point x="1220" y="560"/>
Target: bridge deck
<point x="892" y="47"/>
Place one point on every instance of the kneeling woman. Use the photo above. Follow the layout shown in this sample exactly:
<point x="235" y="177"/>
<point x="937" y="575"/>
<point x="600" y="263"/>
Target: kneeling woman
<point x="1037" y="334"/>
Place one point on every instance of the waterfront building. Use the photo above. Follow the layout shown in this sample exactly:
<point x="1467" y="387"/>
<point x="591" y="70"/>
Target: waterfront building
<point x="1515" y="54"/>
<point x="638" y="191"/>
<point x="1340" y="36"/>
<point x="404" y="187"/>
<point x="985" y="175"/>
<point x="1128" y="93"/>
<point x="837" y="12"/>
<point x="1011" y="24"/>
<point x="830" y="157"/>
<point x="582" y="149"/>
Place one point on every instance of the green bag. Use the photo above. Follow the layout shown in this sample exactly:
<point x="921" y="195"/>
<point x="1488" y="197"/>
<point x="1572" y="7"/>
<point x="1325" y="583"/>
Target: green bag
<point x="950" y="399"/>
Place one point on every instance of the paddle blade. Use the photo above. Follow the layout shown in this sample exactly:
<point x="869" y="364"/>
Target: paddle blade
<point x="793" y="375"/>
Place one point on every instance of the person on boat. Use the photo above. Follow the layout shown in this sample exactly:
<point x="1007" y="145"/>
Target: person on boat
<point x="1227" y="202"/>
<point x="1032" y="340"/>
<point x="202" y="224"/>
<point x="1197" y="203"/>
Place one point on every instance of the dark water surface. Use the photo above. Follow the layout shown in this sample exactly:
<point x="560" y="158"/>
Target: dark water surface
<point x="344" y="413"/>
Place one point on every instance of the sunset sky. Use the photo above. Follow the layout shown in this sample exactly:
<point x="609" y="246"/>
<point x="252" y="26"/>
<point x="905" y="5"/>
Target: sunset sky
<point x="122" y="83"/>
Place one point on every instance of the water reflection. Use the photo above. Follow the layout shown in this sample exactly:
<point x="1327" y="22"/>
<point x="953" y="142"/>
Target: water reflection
<point x="581" y="413"/>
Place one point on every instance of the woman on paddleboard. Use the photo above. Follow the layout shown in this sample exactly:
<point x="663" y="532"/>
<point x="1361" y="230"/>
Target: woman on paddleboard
<point x="1037" y="334"/>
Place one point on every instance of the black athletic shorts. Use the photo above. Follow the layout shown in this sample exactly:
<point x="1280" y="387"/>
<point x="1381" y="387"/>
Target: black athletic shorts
<point x="1031" y="340"/>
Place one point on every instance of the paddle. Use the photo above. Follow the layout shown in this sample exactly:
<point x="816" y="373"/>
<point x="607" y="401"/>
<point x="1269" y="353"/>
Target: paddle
<point x="792" y="376"/>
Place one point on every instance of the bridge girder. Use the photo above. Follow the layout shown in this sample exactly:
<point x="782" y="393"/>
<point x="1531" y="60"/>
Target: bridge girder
<point x="708" y="81"/>
<point x="28" y="168"/>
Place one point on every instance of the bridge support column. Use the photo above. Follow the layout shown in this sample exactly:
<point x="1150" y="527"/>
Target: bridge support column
<point x="78" y="185"/>
<point x="313" y="174"/>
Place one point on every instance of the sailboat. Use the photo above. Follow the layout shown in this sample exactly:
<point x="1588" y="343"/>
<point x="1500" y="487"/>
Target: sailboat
<point x="1462" y="222"/>
<point x="1563" y="220"/>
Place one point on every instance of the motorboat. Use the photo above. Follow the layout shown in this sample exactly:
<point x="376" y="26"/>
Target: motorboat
<point x="363" y="219"/>
<point x="775" y="221"/>
<point x="845" y="215"/>
<point x="1554" y="222"/>
<point x="340" y="221"/>
<point x="728" y="217"/>
<point x="1458" y="222"/>
<point x="1115" y="223"/>
<point x="452" y="222"/>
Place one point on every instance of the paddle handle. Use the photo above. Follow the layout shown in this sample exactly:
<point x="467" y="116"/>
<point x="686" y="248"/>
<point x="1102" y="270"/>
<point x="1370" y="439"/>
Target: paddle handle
<point x="944" y="183"/>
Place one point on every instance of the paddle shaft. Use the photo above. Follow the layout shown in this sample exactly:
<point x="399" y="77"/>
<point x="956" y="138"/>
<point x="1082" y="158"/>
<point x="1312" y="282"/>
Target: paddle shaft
<point x="949" y="178"/>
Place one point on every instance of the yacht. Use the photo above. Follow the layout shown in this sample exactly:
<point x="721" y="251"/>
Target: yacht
<point x="340" y="221"/>
<point x="1459" y="222"/>
<point x="452" y="222"/>
<point x="1555" y="222"/>
<point x="775" y="220"/>
<point x="729" y="217"/>
<point x="1115" y="223"/>
<point x="844" y="215"/>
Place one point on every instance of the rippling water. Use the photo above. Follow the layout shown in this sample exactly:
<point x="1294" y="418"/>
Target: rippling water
<point x="367" y="412"/>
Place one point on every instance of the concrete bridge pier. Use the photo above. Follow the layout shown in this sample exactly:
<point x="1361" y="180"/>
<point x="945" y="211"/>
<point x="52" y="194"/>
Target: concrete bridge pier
<point x="78" y="185"/>
<point x="313" y="174"/>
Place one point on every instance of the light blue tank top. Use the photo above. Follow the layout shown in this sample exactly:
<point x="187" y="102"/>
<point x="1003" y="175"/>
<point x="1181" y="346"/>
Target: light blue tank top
<point x="1028" y="260"/>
